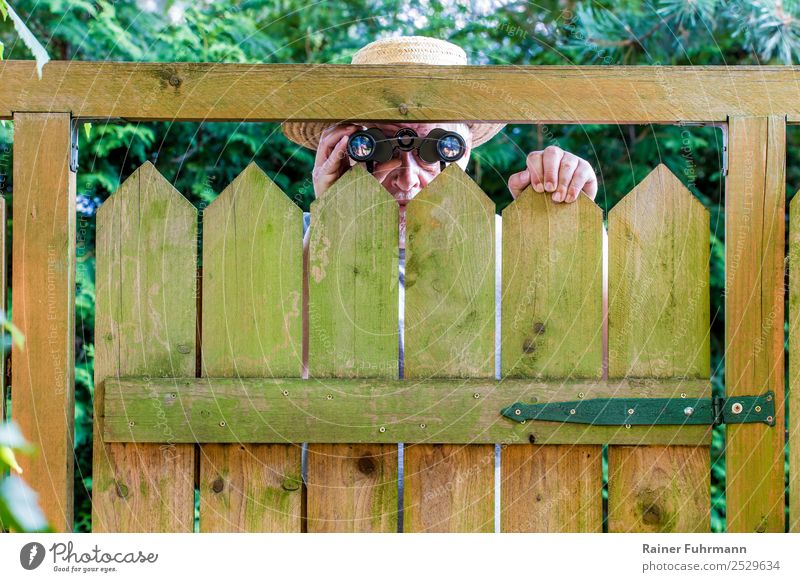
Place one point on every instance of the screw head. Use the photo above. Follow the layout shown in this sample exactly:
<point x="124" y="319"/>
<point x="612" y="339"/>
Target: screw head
<point x="627" y="426"/>
<point x="131" y="424"/>
<point x="581" y="394"/>
<point x="683" y="394"/>
<point x="572" y="411"/>
<point x="737" y="408"/>
<point x="769" y="419"/>
<point x="286" y="393"/>
<point x="517" y="412"/>
<point x="403" y="109"/>
<point x="631" y="411"/>
<point x="688" y="411"/>
<point x="423" y="425"/>
<point x="222" y="423"/>
<point x="329" y="397"/>
<point x="382" y="429"/>
<point x="476" y="395"/>
<point x="758" y="409"/>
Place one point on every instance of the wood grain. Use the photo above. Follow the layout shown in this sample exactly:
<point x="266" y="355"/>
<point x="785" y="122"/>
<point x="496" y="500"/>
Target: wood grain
<point x="511" y="94"/>
<point x="755" y="214"/>
<point x="43" y="248"/>
<point x="794" y="365"/>
<point x="658" y="326"/>
<point x="285" y="410"/>
<point x="145" y="325"/>
<point x="252" y="285"/>
<point x="552" y="326"/>
<point x="353" y="333"/>
<point x="449" y="332"/>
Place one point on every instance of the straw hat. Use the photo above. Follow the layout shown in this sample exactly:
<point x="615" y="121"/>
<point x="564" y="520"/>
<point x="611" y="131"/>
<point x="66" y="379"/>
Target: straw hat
<point x="398" y="49"/>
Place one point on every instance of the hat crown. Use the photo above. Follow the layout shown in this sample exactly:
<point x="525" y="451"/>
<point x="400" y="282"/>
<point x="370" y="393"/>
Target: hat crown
<point x="421" y="50"/>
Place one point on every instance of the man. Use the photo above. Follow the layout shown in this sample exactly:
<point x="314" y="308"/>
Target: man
<point x="557" y="173"/>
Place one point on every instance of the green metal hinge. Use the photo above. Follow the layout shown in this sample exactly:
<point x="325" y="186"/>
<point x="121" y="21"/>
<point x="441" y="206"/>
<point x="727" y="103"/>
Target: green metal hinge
<point x="650" y="411"/>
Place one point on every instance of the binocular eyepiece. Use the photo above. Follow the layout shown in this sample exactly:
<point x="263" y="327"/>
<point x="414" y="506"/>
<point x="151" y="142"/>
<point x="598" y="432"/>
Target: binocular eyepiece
<point x="440" y="145"/>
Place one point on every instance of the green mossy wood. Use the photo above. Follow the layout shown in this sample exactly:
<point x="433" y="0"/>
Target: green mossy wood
<point x="659" y="327"/>
<point x="449" y="332"/>
<point x="353" y="314"/>
<point x="145" y="326"/>
<point x="251" y="327"/>
<point x="552" y="326"/>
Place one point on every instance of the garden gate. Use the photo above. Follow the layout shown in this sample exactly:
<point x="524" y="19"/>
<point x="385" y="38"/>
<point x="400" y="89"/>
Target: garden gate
<point x="198" y="377"/>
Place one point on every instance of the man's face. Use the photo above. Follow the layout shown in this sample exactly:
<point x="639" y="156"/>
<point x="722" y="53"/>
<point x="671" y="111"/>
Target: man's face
<point x="406" y="173"/>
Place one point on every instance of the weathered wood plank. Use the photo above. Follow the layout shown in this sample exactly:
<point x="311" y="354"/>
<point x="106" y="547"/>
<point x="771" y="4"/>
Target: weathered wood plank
<point x="145" y="325"/>
<point x="658" y="326"/>
<point x="518" y="94"/>
<point x="338" y="410"/>
<point x="552" y="328"/>
<point x="794" y="365"/>
<point x="252" y="285"/>
<point x="449" y="332"/>
<point x="353" y="318"/>
<point x="44" y="296"/>
<point x="755" y="214"/>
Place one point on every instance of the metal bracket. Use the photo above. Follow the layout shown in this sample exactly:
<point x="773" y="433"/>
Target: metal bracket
<point x="650" y="411"/>
<point x="73" y="150"/>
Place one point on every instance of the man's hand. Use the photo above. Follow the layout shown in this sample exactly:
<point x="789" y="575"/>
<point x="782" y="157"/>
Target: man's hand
<point x="558" y="172"/>
<point x="332" y="161"/>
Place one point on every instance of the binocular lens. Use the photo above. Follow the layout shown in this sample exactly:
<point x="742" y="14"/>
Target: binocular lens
<point x="450" y="147"/>
<point x="361" y="147"/>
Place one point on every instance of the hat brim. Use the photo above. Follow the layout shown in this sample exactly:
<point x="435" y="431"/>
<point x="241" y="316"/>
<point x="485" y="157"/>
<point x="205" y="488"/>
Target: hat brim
<point x="307" y="133"/>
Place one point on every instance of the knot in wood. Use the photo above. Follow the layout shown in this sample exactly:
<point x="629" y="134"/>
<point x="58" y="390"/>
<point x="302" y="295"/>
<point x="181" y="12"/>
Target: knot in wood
<point x="366" y="465"/>
<point x="218" y="485"/>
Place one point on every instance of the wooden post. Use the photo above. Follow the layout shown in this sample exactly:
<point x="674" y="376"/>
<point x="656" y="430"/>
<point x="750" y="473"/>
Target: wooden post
<point x="755" y="202"/>
<point x="44" y="298"/>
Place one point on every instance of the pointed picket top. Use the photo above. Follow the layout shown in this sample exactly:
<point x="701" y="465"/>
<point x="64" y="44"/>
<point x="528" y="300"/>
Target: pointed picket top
<point x="253" y="181"/>
<point x="660" y="186"/>
<point x="356" y="181"/>
<point x="147" y="183"/>
<point x="449" y="185"/>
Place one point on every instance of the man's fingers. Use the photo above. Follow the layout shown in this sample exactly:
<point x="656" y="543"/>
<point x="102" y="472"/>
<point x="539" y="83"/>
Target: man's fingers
<point x="578" y="183"/>
<point x="569" y="163"/>
<point x="330" y="138"/>
<point x="536" y="171"/>
<point x="518" y="182"/>
<point x="551" y="161"/>
<point x="333" y="164"/>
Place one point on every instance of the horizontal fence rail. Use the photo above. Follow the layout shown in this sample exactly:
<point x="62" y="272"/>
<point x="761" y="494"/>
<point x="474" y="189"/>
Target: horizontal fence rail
<point x="512" y="94"/>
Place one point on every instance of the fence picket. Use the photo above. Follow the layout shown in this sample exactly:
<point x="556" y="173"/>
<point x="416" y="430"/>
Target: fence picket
<point x="145" y="326"/>
<point x="252" y="290"/>
<point x="449" y="332"/>
<point x="552" y="328"/>
<point x="659" y="328"/>
<point x="353" y="311"/>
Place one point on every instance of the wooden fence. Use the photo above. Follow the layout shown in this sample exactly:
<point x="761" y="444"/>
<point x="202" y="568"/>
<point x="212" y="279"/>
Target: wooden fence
<point x="224" y="410"/>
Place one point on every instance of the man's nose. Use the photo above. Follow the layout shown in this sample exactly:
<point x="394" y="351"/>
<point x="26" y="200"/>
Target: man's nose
<point x="407" y="175"/>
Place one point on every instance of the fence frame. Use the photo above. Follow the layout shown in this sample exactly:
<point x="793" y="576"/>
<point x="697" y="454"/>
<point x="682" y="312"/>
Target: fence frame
<point x="751" y="104"/>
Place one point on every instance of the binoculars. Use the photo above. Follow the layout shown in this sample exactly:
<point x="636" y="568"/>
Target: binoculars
<point x="440" y="145"/>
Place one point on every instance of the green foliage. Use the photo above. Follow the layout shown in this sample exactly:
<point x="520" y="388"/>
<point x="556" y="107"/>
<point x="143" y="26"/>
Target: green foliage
<point x="19" y="507"/>
<point x="202" y="158"/>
